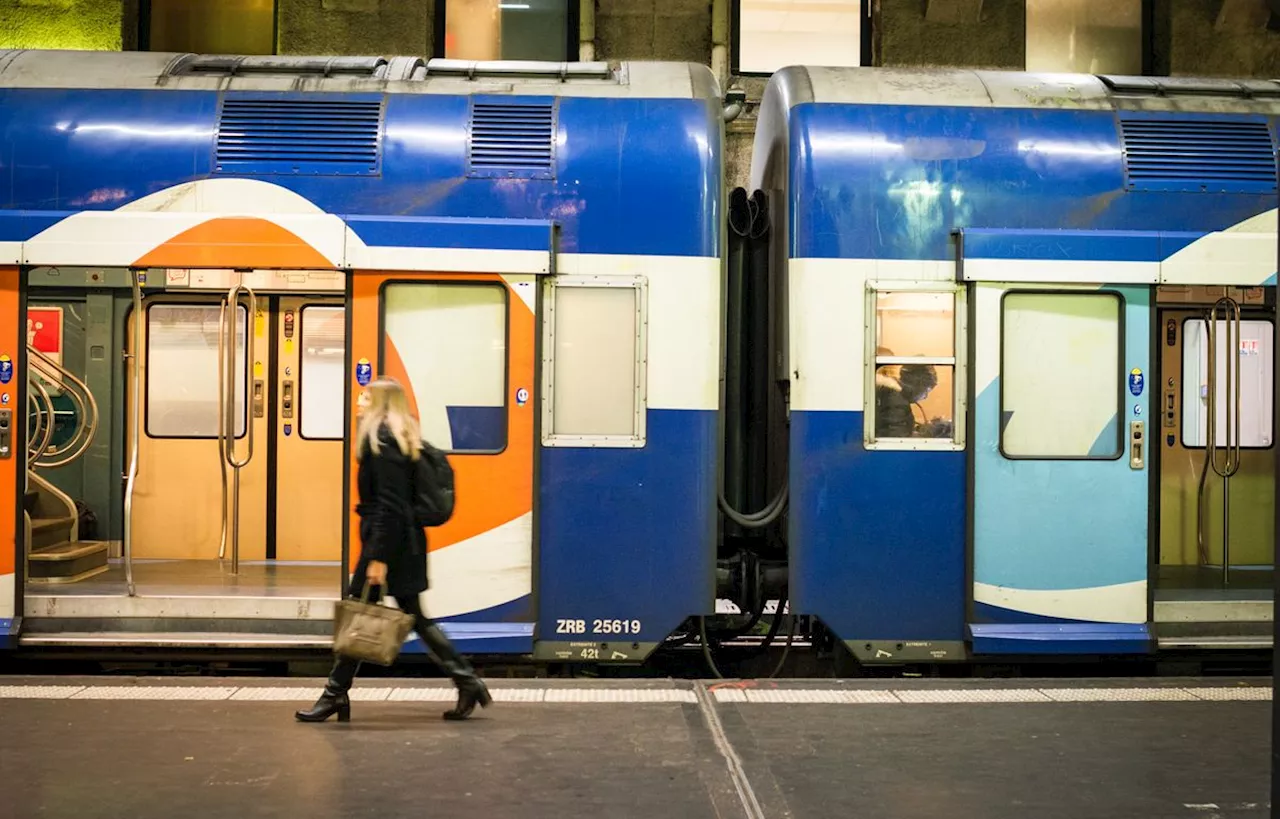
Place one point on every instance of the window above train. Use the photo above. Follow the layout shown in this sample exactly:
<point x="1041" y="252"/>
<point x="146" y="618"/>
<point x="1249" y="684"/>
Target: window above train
<point x="773" y="34"/>
<point x="508" y="30"/>
<point x="915" y="377"/>
<point x="1084" y="36"/>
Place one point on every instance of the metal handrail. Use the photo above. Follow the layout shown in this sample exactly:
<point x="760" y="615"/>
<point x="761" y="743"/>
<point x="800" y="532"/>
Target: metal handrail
<point x="227" y="395"/>
<point x="135" y="427"/>
<point x="1230" y="465"/>
<point x="86" y="407"/>
<point x="44" y="420"/>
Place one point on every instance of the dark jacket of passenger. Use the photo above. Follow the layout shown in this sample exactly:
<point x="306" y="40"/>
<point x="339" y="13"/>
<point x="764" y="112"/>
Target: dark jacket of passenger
<point x="894" y="418"/>
<point x="385" y="485"/>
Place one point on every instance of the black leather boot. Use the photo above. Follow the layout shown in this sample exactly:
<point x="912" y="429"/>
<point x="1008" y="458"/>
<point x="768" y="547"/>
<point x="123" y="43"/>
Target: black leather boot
<point x="471" y="689"/>
<point x="334" y="700"/>
<point x="325" y="707"/>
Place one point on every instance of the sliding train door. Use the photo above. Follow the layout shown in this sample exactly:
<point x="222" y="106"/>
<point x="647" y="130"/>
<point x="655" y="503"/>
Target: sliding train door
<point x="240" y="446"/>
<point x="1059" y="468"/>
<point x="463" y="346"/>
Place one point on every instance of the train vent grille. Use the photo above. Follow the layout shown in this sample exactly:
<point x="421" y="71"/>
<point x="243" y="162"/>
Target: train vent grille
<point x="512" y="138"/>
<point x="304" y="137"/>
<point x="1199" y="155"/>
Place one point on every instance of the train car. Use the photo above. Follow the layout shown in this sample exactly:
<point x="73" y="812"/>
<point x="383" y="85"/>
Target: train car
<point x="1014" y="303"/>
<point x="213" y="255"/>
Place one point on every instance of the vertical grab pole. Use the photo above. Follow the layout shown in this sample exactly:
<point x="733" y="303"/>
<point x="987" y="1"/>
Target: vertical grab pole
<point x="135" y="427"/>
<point x="1230" y="312"/>
<point x="222" y="418"/>
<point x="229" y="450"/>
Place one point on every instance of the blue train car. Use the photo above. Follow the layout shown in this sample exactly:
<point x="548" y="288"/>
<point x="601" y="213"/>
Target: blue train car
<point x="533" y="249"/>
<point x="1015" y="305"/>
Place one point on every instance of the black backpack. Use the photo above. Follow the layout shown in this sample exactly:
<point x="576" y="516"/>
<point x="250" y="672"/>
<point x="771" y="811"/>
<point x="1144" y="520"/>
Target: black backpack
<point x="432" y="488"/>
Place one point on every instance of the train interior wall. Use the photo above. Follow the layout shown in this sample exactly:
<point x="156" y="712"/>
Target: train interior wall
<point x="1189" y="577"/>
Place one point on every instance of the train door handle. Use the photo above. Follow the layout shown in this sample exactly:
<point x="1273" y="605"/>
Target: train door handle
<point x="1137" y="444"/>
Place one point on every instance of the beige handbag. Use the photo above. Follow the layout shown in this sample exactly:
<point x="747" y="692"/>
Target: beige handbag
<point x="368" y="631"/>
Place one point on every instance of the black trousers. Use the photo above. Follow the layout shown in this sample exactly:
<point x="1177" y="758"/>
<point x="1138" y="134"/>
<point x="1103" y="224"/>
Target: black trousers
<point x="438" y="645"/>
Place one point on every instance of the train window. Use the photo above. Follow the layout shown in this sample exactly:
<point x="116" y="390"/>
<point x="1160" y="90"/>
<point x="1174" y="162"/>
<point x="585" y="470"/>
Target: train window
<point x="501" y="30"/>
<point x="1257" y="348"/>
<point x="913" y="342"/>
<point x="772" y="35"/>
<point x="182" y="371"/>
<point x="447" y="343"/>
<point x="1060" y="376"/>
<point x="321" y="371"/>
<point x="211" y="26"/>
<point x="1084" y="36"/>
<point x="593" y="366"/>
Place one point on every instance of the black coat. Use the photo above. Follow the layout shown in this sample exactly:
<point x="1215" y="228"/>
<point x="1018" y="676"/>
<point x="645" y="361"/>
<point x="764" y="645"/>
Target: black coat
<point x="385" y="484"/>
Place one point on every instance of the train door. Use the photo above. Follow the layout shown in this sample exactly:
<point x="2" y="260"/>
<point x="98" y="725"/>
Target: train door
<point x="1060" y="482"/>
<point x="464" y="349"/>
<point x="239" y="479"/>
<point x="1215" y="552"/>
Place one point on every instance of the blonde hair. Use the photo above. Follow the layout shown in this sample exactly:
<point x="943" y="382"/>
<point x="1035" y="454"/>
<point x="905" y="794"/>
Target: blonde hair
<point x="388" y="406"/>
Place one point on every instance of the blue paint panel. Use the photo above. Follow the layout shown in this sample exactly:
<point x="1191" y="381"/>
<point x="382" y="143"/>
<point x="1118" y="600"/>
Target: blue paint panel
<point x="893" y="182"/>
<point x="877" y="538"/>
<point x="1076" y="245"/>
<point x="1062" y="524"/>
<point x="481" y="638"/>
<point x="1039" y="638"/>
<point x="478" y="428"/>
<point x="484" y="234"/>
<point x="515" y="611"/>
<point x="630" y="533"/>
<point x="503" y="629"/>
<point x="615" y="158"/>
<point x="18" y="226"/>
<point x="1063" y="245"/>
<point x="9" y="629"/>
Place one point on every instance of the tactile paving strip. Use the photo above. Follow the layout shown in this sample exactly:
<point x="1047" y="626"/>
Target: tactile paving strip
<point x="974" y="695"/>
<point x="826" y="696"/>
<point x="38" y="692"/>
<point x="731" y="692"/>
<point x="1118" y="695"/>
<point x="1230" y="694"/>
<point x="633" y="695"/>
<point x="153" y="692"/>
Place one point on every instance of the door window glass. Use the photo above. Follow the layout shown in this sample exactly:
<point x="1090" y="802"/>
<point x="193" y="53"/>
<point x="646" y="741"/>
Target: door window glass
<point x="1257" y="348"/>
<point x="1060" y="376"/>
<point x="182" y="371"/>
<point x="450" y="342"/>
<point x="321" y="372"/>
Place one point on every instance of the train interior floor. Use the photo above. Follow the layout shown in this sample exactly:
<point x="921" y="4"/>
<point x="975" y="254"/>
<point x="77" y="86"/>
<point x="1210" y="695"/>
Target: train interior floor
<point x="200" y="578"/>
<point x="144" y="748"/>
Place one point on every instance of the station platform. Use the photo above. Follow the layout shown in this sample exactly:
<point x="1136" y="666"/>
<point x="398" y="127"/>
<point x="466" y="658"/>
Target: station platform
<point x="161" y="747"/>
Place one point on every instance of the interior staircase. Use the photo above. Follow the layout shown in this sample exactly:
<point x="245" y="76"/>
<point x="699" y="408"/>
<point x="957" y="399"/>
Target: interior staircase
<point x="55" y="551"/>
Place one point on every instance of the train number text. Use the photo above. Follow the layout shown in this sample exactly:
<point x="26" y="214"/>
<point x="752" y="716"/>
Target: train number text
<point x="598" y="626"/>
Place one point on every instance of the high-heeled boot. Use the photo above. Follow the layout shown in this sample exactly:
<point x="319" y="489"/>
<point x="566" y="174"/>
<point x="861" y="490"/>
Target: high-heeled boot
<point x="334" y="700"/>
<point x="471" y="689"/>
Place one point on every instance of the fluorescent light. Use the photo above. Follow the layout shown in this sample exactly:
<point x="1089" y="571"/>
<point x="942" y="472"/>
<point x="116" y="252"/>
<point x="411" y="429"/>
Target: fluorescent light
<point x="513" y="6"/>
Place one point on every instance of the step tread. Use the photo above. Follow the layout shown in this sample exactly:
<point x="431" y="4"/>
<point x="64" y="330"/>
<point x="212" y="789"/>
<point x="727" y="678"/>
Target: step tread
<point x="45" y="524"/>
<point x="69" y="550"/>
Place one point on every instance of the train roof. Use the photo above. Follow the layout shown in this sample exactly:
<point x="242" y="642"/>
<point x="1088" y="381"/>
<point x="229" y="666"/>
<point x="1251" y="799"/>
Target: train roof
<point x="92" y="70"/>
<point x="977" y="89"/>
<point x="1021" y="89"/>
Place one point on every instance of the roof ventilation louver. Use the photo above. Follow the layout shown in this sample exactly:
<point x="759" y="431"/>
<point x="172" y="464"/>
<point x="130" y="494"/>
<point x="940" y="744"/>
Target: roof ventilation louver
<point x="293" y="136"/>
<point x="512" y="138"/>
<point x="1216" y="156"/>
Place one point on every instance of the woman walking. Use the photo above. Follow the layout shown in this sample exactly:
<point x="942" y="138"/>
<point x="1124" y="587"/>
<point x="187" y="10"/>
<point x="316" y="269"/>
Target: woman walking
<point x="393" y="551"/>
